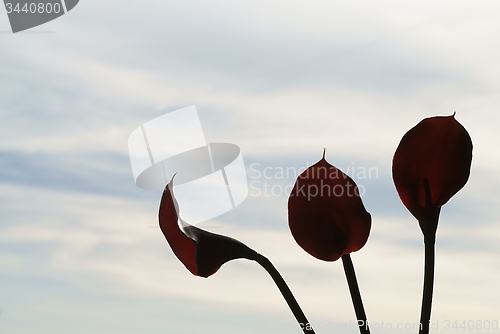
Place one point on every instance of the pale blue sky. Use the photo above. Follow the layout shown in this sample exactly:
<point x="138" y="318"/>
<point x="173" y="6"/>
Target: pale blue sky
<point x="79" y="248"/>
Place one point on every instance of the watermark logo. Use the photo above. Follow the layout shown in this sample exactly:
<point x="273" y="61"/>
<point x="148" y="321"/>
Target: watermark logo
<point x="278" y="181"/>
<point x="26" y="14"/>
<point x="210" y="177"/>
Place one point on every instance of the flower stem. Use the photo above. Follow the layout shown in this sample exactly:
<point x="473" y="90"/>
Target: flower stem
<point x="355" y="294"/>
<point x="425" y="315"/>
<point x="285" y="291"/>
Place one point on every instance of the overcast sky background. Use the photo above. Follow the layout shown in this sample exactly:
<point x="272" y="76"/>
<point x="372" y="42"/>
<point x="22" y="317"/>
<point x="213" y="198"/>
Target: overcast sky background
<point x="80" y="247"/>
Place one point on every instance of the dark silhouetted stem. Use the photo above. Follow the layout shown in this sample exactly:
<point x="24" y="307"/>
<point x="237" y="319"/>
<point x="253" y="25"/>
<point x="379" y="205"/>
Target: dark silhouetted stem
<point x="355" y="294"/>
<point x="287" y="294"/>
<point x="425" y="315"/>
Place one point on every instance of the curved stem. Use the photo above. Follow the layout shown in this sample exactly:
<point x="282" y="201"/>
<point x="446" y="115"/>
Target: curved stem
<point x="355" y="294"/>
<point x="425" y="315"/>
<point x="285" y="291"/>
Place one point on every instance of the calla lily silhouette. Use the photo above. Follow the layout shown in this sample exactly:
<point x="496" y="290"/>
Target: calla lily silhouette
<point x="203" y="252"/>
<point x="325" y="213"/>
<point x="328" y="220"/>
<point x="431" y="164"/>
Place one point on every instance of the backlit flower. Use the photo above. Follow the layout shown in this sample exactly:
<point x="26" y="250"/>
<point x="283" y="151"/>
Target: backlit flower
<point x="202" y="252"/>
<point x="325" y="213"/>
<point x="431" y="164"/>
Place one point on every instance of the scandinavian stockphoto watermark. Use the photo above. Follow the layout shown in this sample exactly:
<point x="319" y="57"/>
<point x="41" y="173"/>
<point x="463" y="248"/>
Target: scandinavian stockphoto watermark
<point x="210" y="178"/>
<point x="26" y="14"/>
<point x="277" y="181"/>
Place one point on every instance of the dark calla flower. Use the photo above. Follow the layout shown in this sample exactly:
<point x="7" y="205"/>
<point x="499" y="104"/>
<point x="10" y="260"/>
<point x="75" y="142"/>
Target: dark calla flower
<point x="431" y="164"/>
<point x="325" y="213"/>
<point x="202" y="252"/>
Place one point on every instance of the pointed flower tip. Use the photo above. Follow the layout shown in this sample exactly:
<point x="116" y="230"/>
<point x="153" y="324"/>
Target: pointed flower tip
<point x="431" y="164"/>
<point x="326" y="215"/>
<point x="201" y="252"/>
<point x="170" y="183"/>
<point x="172" y="179"/>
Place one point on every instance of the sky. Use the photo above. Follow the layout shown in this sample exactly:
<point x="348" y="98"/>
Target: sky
<point x="80" y="246"/>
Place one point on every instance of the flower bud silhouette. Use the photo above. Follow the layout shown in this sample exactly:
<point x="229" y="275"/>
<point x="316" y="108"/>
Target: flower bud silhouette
<point x="329" y="221"/>
<point x="202" y="252"/>
<point x="325" y="213"/>
<point x="431" y="164"/>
